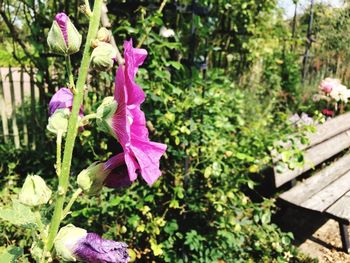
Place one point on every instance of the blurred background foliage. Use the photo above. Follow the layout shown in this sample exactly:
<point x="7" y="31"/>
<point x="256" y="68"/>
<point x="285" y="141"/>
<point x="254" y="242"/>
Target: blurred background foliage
<point x="219" y="93"/>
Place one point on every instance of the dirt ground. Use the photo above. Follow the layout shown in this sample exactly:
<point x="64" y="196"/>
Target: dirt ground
<point x="315" y="235"/>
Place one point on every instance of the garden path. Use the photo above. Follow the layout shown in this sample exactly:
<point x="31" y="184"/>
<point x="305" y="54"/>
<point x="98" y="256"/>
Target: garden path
<point x="315" y="236"/>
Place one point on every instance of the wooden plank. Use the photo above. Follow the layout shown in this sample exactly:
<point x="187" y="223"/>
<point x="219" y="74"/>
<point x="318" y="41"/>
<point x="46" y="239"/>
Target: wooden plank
<point x="341" y="208"/>
<point x="323" y="132"/>
<point x="305" y="190"/>
<point x="314" y="156"/>
<point x="330" y="128"/>
<point x="4" y="120"/>
<point x="328" y="195"/>
<point x="13" y="116"/>
<point x="24" y="115"/>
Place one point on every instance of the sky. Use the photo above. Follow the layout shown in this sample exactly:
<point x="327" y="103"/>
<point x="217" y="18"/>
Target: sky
<point x="288" y="5"/>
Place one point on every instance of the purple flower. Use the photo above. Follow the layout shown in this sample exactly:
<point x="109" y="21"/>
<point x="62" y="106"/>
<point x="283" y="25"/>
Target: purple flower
<point x="74" y="243"/>
<point x="62" y="99"/>
<point x="94" y="249"/>
<point x="128" y="126"/>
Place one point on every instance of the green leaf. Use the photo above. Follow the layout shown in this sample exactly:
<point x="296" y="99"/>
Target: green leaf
<point x="175" y="64"/>
<point x="10" y="254"/>
<point x="19" y="215"/>
<point x="171" y="227"/>
<point x="266" y="218"/>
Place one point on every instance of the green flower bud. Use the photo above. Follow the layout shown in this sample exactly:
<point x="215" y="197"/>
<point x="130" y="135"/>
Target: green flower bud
<point x="34" y="191"/>
<point x="63" y="37"/>
<point x="91" y="179"/>
<point x="102" y="57"/>
<point x="104" y="35"/>
<point x="58" y="122"/>
<point x="66" y="240"/>
<point x="105" y="113"/>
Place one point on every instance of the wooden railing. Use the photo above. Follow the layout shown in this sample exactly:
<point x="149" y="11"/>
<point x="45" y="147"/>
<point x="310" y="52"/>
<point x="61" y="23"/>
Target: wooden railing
<point x="18" y="100"/>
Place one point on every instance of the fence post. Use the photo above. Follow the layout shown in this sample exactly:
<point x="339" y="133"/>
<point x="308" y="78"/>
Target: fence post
<point x="24" y="114"/>
<point x="4" y="120"/>
<point x="13" y="107"/>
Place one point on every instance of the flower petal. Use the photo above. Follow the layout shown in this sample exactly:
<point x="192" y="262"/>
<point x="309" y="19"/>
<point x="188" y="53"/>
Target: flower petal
<point x="148" y="155"/>
<point x="94" y="249"/>
<point x="133" y="59"/>
<point x="62" y="20"/>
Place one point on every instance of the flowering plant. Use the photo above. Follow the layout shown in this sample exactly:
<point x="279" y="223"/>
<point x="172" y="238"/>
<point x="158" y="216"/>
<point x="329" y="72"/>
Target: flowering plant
<point x="120" y="116"/>
<point x="334" y="94"/>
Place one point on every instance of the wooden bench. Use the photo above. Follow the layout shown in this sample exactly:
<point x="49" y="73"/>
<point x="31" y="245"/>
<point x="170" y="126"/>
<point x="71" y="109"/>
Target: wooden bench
<point x="327" y="191"/>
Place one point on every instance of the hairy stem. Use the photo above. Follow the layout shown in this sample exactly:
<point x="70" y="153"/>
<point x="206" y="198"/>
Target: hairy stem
<point x="58" y="153"/>
<point x="86" y="118"/>
<point x="71" y="202"/>
<point x="69" y="72"/>
<point x="73" y="126"/>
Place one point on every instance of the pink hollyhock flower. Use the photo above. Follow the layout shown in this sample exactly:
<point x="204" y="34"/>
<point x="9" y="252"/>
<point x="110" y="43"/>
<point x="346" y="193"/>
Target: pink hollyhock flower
<point x="62" y="99"/>
<point x="328" y="84"/>
<point x="128" y="125"/>
<point x="327" y="112"/>
<point x="118" y="172"/>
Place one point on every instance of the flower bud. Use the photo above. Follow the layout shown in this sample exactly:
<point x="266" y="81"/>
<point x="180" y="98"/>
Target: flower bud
<point x="59" y="110"/>
<point x="62" y="99"/>
<point x="74" y="243"/>
<point x="58" y="122"/>
<point x="104" y="35"/>
<point x="91" y="179"/>
<point x="105" y="113"/>
<point x="34" y="191"/>
<point x="66" y="240"/>
<point x="103" y="56"/>
<point x="63" y="37"/>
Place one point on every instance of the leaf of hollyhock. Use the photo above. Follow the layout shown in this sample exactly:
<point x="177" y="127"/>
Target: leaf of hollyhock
<point x="10" y="254"/>
<point x="19" y="215"/>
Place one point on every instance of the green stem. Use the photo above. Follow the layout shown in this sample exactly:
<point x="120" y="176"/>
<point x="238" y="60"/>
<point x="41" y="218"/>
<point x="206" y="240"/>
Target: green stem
<point x="85" y="119"/>
<point x="71" y="202"/>
<point x="58" y="153"/>
<point x="148" y="30"/>
<point x="88" y="9"/>
<point x="73" y="126"/>
<point x="69" y="72"/>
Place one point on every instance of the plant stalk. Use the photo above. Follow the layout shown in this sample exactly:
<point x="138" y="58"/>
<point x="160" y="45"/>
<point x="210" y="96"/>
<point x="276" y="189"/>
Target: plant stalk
<point x="73" y="126"/>
<point x="71" y="202"/>
<point x="159" y="11"/>
<point x="58" y="153"/>
<point x="69" y="72"/>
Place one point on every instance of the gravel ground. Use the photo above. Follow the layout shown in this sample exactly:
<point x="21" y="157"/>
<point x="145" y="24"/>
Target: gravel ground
<point x="315" y="235"/>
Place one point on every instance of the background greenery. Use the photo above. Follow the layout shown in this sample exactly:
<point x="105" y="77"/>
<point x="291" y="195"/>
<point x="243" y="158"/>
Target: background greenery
<point x="218" y="94"/>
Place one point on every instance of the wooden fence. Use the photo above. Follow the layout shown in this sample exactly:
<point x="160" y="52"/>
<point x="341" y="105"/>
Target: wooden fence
<point x="18" y="100"/>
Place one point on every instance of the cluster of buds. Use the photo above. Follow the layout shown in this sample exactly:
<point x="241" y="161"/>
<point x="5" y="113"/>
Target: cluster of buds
<point x="104" y="54"/>
<point x="64" y="39"/>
